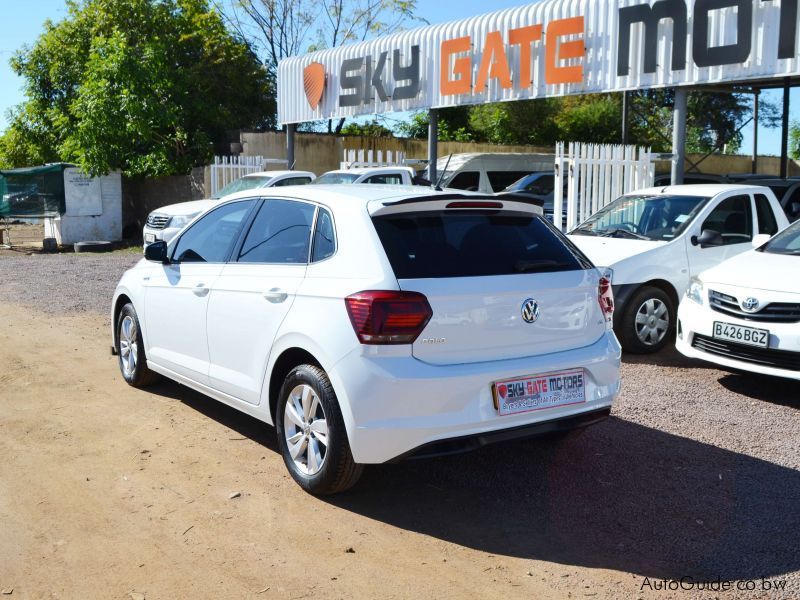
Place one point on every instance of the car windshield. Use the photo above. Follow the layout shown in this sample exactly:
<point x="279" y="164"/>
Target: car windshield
<point x="245" y="183"/>
<point x="652" y="217"/>
<point x="786" y="242"/>
<point x="336" y="178"/>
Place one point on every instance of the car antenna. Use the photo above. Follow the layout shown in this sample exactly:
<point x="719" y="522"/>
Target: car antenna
<point x="438" y="186"/>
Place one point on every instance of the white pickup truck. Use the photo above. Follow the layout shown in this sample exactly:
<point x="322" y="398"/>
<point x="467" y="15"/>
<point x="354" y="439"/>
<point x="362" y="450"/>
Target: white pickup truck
<point x="381" y="175"/>
<point x="656" y="240"/>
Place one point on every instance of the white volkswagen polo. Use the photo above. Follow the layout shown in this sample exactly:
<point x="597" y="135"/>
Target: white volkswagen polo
<point x="745" y="313"/>
<point x="370" y="323"/>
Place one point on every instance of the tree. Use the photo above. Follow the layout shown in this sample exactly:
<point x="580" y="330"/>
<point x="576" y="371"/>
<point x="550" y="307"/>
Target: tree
<point x="145" y="86"/>
<point x="714" y="120"/>
<point x="370" y="129"/>
<point x="277" y="29"/>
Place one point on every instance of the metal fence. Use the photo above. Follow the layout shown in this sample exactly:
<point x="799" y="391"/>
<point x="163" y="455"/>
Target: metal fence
<point x="590" y="176"/>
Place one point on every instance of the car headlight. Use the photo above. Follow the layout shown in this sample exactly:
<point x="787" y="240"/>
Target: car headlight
<point x="180" y="221"/>
<point x="695" y="291"/>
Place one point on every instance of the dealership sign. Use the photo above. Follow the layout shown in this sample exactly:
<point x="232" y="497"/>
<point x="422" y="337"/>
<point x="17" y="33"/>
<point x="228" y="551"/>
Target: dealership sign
<point x="549" y="48"/>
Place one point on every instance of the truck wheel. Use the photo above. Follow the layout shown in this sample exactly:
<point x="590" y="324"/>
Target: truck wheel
<point x="647" y="322"/>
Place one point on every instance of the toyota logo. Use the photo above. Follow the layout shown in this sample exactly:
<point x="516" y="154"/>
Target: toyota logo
<point x="750" y="305"/>
<point x="530" y="310"/>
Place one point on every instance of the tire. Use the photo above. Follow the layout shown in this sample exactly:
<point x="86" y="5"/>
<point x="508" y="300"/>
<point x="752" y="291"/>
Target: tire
<point x="319" y="468"/>
<point x="639" y="329"/>
<point x="93" y="246"/>
<point x="132" y="357"/>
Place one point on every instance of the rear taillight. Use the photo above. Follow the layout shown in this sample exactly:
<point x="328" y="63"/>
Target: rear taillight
<point x="606" y="298"/>
<point x="384" y="317"/>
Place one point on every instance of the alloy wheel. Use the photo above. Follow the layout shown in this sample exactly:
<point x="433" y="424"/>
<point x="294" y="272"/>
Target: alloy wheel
<point x="128" y="345"/>
<point x="305" y="429"/>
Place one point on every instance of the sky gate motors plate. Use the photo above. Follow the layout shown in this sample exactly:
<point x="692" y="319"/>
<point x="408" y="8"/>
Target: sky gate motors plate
<point x="537" y="392"/>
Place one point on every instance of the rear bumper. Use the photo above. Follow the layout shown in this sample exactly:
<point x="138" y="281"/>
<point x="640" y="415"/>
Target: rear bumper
<point x="473" y="442"/>
<point x="695" y="340"/>
<point x="394" y="405"/>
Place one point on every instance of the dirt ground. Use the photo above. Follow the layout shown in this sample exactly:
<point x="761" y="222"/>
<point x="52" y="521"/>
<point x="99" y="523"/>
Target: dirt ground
<point x="111" y="492"/>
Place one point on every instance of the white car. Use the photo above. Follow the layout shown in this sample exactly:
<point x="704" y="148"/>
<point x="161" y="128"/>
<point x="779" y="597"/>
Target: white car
<point x="373" y="322"/>
<point x="745" y="313"/>
<point x="656" y="240"/>
<point x="380" y="175"/>
<point x="165" y="222"/>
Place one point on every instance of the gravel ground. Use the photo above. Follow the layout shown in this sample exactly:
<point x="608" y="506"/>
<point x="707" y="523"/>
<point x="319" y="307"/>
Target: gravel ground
<point x="63" y="283"/>
<point x="696" y="474"/>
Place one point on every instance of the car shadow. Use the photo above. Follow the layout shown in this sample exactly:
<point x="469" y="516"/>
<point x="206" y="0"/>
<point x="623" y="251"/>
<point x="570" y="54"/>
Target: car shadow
<point x="617" y="495"/>
<point x="620" y="496"/>
<point x="223" y="414"/>
<point x="775" y="390"/>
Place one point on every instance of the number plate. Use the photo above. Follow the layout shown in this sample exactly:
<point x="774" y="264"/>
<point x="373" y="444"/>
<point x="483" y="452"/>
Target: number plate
<point x="741" y="335"/>
<point x="149" y="238"/>
<point x="537" y="392"/>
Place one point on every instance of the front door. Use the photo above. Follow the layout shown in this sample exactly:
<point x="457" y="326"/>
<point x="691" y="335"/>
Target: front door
<point x="732" y="218"/>
<point x="177" y="294"/>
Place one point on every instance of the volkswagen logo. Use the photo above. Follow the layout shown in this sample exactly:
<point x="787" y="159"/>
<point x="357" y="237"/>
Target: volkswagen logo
<point x="750" y="305"/>
<point x="530" y="310"/>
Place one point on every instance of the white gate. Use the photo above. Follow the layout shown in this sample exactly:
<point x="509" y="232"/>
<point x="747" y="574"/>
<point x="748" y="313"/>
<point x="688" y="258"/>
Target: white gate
<point x="230" y="168"/>
<point x="354" y="159"/>
<point x="594" y="175"/>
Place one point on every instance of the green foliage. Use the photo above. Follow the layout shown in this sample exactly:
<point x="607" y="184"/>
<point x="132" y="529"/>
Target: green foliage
<point x="370" y="129"/>
<point x="794" y="140"/>
<point x="714" y="121"/>
<point x="144" y="86"/>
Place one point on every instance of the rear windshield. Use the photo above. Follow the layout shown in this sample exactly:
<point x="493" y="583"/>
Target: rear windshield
<point x="473" y="243"/>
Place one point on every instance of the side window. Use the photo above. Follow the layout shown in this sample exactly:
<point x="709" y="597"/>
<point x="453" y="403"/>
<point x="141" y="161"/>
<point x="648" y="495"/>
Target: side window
<point x="541" y="185"/>
<point x="281" y="233"/>
<point x="385" y="179"/>
<point x="766" y="218"/>
<point x="500" y="180"/>
<point x="733" y="218"/>
<point x="210" y="239"/>
<point x="466" y="180"/>
<point x="324" y="237"/>
<point x="292" y="181"/>
<point x="791" y="205"/>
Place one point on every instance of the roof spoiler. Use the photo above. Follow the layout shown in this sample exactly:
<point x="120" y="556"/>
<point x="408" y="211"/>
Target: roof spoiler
<point x="511" y="197"/>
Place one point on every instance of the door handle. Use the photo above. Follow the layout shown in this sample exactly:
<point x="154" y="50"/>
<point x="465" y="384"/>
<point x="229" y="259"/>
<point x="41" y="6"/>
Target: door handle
<point x="200" y="290"/>
<point x="275" y="295"/>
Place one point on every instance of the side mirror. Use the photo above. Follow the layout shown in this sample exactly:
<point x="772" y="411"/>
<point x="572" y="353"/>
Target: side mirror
<point x="708" y="239"/>
<point x="157" y="252"/>
<point x="760" y="240"/>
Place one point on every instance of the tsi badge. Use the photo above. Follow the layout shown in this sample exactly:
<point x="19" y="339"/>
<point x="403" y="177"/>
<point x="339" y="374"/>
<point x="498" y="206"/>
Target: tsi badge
<point x="530" y="311"/>
<point x="750" y="305"/>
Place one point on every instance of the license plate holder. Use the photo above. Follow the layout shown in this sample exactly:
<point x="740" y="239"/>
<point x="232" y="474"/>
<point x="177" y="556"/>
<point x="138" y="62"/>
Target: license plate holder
<point x="741" y="334"/>
<point x="149" y="238"/>
<point x="539" y="392"/>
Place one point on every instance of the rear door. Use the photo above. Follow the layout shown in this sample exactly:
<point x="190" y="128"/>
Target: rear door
<point x="502" y="284"/>
<point x="254" y="293"/>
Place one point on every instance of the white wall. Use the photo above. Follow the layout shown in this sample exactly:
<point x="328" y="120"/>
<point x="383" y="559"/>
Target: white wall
<point x="76" y="227"/>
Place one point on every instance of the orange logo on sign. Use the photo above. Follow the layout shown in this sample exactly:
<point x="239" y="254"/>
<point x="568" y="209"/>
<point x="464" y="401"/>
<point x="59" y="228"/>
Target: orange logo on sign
<point x="314" y="83"/>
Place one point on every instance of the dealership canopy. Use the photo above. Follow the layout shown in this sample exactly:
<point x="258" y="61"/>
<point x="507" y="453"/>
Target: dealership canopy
<point x="549" y="48"/>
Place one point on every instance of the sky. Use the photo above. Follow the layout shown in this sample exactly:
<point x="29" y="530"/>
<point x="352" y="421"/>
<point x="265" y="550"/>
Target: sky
<point x="22" y="23"/>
